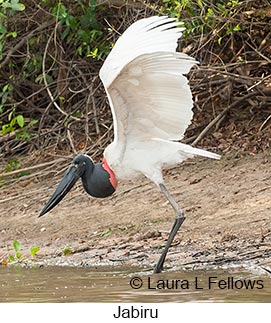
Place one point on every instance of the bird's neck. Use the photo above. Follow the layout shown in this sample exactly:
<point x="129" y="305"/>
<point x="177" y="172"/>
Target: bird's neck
<point x="99" y="180"/>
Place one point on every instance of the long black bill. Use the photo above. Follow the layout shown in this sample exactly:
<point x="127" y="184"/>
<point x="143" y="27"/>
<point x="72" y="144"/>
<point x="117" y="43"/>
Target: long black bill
<point x="72" y="174"/>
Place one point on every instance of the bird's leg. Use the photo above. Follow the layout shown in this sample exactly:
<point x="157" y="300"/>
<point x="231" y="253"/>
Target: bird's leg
<point x="180" y="217"/>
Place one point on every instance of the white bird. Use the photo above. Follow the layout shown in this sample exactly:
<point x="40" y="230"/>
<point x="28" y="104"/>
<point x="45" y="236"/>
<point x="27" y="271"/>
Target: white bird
<point x="151" y="104"/>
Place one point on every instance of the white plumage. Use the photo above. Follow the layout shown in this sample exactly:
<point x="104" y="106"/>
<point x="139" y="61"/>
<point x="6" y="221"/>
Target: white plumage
<point x="150" y="99"/>
<point x="151" y="104"/>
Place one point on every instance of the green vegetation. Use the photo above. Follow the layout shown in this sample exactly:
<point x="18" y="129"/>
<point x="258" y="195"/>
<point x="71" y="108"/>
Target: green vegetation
<point x="205" y="17"/>
<point x="67" y="251"/>
<point x="7" y="10"/>
<point x="34" y="250"/>
<point x="13" y="165"/>
<point x="16" y="255"/>
<point x="51" y="98"/>
<point x="106" y="233"/>
<point x="82" y="30"/>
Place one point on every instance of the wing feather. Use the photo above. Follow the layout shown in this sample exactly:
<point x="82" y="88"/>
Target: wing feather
<point x="153" y="93"/>
<point x="144" y="36"/>
<point x="150" y="99"/>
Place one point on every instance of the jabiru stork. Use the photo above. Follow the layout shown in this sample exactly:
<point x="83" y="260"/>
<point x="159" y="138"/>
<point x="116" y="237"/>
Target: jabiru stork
<point x="151" y="104"/>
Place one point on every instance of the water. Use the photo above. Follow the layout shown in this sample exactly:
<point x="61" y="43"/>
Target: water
<point x="112" y="284"/>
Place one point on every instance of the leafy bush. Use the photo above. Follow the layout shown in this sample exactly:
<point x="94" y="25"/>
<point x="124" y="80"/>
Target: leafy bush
<point x="51" y="52"/>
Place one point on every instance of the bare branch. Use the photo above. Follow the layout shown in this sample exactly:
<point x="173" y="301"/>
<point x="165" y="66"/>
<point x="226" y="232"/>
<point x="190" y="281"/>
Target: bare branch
<point x="24" y="39"/>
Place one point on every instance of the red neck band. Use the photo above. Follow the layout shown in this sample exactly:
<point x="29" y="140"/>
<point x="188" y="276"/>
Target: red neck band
<point x="112" y="177"/>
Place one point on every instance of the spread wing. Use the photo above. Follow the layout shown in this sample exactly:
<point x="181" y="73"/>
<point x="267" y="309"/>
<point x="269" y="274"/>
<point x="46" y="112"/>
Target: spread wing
<point x="143" y="77"/>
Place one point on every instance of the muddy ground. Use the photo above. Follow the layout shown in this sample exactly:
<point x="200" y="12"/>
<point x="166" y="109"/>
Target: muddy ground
<point x="227" y="204"/>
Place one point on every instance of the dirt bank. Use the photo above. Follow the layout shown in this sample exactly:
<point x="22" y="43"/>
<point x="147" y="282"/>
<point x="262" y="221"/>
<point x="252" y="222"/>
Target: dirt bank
<point x="227" y="204"/>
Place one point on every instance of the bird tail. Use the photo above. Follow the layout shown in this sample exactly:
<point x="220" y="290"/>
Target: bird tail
<point x="199" y="152"/>
<point x="150" y="157"/>
<point x="189" y="151"/>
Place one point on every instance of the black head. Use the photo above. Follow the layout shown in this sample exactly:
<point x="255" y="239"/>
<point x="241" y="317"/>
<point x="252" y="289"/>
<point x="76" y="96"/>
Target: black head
<point x="78" y="167"/>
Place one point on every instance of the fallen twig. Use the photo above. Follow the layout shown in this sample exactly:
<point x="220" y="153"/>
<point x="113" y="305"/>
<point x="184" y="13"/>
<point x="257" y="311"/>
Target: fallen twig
<point x="18" y="171"/>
